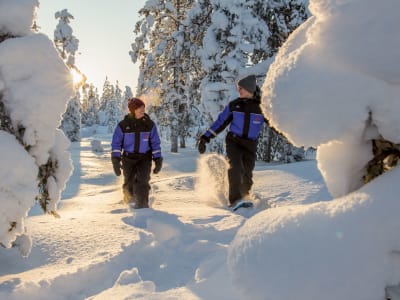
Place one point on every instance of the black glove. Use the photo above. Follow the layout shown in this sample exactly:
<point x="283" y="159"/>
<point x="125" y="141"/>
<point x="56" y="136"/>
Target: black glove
<point x="116" y="161"/>
<point x="158" y="165"/>
<point x="202" y="144"/>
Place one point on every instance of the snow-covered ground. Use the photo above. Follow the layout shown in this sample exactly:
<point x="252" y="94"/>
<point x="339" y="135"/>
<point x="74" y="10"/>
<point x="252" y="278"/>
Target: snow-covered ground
<point x="297" y="243"/>
<point x="178" y="249"/>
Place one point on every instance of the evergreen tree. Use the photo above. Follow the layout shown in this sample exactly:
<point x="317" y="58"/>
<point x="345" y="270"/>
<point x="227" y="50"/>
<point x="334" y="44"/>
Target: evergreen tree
<point x="282" y="17"/>
<point x="274" y="146"/>
<point x="84" y="103"/>
<point x="119" y="100"/>
<point x="67" y="45"/>
<point x="34" y="144"/>
<point x="127" y="94"/>
<point x="243" y="37"/>
<point x="113" y="110"/>
<point x="107" y="95"/>
<point x="161" y="46"/>
<point x="71" y="122"/>
<point x="201" y="48"/>
<point x="90" y="108"/>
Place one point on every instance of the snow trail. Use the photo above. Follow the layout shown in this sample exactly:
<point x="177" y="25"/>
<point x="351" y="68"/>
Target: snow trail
<point x="179" y="246"/>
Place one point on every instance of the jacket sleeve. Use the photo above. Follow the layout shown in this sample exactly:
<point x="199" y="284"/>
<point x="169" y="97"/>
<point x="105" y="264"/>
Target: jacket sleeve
<point x="155" y="142"/>
<point x="224" y="118"/>
<point x="117" y="142"/>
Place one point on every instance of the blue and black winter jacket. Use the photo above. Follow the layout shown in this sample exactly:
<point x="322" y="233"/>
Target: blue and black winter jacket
<point x="245" y="118"/>
<point x="136" y="137"/>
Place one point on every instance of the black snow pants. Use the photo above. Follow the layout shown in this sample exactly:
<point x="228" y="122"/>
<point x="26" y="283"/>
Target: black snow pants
<point x="241" y="155"/>
<point x="136" y="185"/>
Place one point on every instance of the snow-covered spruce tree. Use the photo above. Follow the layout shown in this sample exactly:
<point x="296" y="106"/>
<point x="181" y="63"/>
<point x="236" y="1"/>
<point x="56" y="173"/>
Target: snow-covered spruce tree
<point x="84" y="102"/>
<point x="270" y="145"/>
<point x="33" y="81"/>
<point x="71" y="121"/>
<point x="282" y="18"/>
<point x="161" y="47"/>
<point x="196" y="23"/>
<point x="113" y="110"/>
<point x="242" y="37"/>
<point x="274" y="146"/>
<point x="107" y="95"/>
<point x="119" y="99"/>
<point x="67" y="44"/>
<point x="228" y="44"/>
<point x="90" y="107"/>
<point x="127" y="94"/>
<point x="219" y="40"/>
<point x="142" y="53"/>
<point x="231" y="33"/>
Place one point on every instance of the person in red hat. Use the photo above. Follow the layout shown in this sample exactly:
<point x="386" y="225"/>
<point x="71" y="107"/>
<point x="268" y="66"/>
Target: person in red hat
<point x="135" y="143"/>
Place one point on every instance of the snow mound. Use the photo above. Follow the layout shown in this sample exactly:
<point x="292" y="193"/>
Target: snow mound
<point x="314" y="249"/>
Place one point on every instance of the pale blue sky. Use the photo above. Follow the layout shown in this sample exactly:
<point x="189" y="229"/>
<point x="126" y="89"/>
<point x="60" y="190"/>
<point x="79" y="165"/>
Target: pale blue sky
<point x="105" y="33"/>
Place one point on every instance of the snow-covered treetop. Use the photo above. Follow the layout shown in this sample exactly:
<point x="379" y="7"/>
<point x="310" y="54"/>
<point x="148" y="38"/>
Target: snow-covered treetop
<point x="65" y="41"/>
<point x="64" y="15"/>
<point x="16" y="16"/>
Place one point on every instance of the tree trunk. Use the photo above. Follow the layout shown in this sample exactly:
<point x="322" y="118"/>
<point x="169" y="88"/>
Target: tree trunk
<point x="268" y="149"/>
<point x="174" y="141"/>
<point x="183" y="141"/>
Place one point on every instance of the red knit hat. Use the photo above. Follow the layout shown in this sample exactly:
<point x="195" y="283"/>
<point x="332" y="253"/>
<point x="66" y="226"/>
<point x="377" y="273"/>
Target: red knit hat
<point x="134" y="103"/>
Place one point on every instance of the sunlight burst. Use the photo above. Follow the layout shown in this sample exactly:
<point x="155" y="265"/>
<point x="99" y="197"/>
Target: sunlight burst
<point x="77" y="77"/>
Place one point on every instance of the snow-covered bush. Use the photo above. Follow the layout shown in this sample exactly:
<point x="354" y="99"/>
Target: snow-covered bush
<point x="96" y="146"/>
<point x="334" y="88"/>
<point x="35" y="85"/>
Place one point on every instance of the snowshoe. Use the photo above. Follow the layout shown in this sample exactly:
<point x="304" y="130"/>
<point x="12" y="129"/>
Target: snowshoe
<point x="242" y="204"/>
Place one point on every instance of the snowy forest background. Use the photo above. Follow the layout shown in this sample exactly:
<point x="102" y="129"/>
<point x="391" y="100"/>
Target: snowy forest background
<point x="191" y="54"/>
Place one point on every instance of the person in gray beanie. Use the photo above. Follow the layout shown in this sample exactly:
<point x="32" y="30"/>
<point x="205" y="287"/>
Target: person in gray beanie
<point x="246" y="121"/>
<point x="249" y="83"/>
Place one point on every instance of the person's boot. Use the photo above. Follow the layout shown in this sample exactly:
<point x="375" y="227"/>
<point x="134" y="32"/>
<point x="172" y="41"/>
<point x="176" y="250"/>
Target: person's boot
<point x="233" y="202"/>
<point x="141" y="204"/>
<point x="127" y="197"/>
